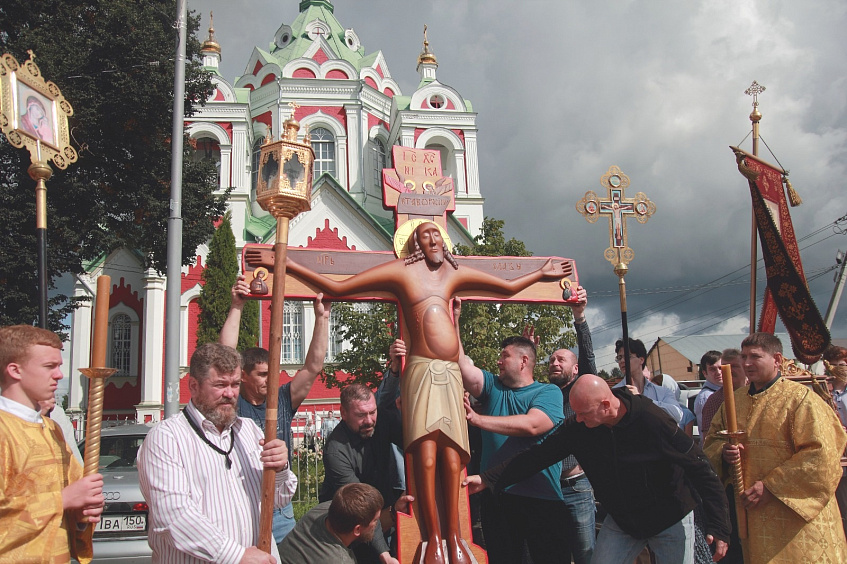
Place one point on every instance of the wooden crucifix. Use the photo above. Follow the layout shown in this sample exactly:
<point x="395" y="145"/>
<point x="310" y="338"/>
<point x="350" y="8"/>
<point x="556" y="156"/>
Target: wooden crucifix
<point x="423" y="277"/>
<point x="617" y="208"/>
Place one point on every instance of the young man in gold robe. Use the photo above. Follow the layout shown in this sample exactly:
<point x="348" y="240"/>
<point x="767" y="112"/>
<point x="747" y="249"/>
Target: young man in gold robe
<point x="45" y="503"/>
<point x="790" y="456"/>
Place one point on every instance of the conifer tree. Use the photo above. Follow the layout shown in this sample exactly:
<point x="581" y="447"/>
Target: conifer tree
<point x="215" y="296"/>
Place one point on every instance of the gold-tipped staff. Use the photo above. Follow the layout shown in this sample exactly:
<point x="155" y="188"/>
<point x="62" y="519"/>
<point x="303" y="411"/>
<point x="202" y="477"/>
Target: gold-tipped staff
<point x="97" y="375"/>
<point x="284" y="190"/>
<point x="734" y="436"/>
<point x="617" y="207"/>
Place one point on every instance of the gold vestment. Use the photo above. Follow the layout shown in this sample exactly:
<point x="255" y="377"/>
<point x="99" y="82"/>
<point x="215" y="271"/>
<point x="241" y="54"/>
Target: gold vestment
<point x="35" y="465"/>
<point x="433" y="400"/>
<point x="793" y="443"/>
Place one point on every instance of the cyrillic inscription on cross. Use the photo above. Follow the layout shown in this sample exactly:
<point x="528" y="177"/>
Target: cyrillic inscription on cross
<point x="415" y="187"/>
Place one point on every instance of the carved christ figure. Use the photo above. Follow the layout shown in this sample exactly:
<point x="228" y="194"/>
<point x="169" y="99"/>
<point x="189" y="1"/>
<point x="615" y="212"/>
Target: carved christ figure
<point x="435" y="433"/>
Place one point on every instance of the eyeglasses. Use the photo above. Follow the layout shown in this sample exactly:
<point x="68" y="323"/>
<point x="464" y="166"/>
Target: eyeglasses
<point x="620" y="357"/>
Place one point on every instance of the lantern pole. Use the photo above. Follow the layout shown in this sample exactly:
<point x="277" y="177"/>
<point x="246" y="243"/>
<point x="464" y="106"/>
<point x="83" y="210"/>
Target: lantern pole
<point x="284" y="189"/>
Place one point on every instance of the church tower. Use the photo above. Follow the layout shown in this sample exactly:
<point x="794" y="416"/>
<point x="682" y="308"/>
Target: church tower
<point x="354" y="112"/>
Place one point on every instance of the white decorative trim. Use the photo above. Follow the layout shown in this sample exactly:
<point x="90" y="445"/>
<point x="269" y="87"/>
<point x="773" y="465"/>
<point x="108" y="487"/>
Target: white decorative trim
<point x="352" y="40"/>
<point x="320" y="119"/>
<point x="434" y="133"/>
<point x="196" y="130"/>
<point x="420" y="98"/>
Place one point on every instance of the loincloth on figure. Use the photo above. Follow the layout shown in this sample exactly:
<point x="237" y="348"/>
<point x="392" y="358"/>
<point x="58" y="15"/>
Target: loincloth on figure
<point x="433" y="400"/>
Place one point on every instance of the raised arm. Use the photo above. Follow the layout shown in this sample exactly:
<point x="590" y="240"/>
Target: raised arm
<point x="472" y="378"/>
<point x="305" y="377"/>
<point x="229" y="332"/>
<point x="583" y="334"/>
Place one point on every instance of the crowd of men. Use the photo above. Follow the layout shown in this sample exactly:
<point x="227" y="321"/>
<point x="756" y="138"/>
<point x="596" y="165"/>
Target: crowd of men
<point x="551" y="453"/>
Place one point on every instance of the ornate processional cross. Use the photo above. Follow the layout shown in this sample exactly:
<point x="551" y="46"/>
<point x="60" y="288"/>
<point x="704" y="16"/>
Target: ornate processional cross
<point x="617" y="208"/>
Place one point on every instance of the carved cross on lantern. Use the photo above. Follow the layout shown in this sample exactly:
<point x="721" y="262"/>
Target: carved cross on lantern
<point x="617" y="207"/>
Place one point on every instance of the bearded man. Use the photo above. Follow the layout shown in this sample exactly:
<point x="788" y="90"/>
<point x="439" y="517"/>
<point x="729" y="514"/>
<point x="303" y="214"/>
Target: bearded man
<point x="201" y="471"/>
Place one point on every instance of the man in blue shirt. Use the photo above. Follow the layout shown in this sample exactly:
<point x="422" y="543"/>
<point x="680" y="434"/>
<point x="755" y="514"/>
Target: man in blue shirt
<point x="515" y="412"/>
<point x="254" y="382"/>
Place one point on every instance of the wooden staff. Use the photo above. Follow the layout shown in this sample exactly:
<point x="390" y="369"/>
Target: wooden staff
<point x="97" y="375"/>
<point x="734" y="434"/>
<point x="284" y="190"/>
<point x="272" y="399"/>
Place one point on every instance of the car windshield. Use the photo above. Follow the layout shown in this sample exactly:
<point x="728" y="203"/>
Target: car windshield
<point x="118" y="452"/>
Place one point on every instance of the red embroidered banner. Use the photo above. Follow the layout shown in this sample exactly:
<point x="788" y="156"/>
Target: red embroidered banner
<point x="787" y="293"/>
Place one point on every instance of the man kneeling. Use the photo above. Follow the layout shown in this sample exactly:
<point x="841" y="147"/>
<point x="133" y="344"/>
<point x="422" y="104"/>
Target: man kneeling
<point x="324" y="534"/>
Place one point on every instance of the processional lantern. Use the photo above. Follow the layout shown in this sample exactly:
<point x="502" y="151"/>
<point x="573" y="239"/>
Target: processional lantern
<point x="284" y="189"/>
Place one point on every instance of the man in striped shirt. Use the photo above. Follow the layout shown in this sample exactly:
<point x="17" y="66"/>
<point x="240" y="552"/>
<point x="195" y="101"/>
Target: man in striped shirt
<point x="201" y="471"/>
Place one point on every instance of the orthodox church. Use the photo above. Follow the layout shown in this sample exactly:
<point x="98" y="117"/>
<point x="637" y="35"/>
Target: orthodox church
<point x="355" y="113"/>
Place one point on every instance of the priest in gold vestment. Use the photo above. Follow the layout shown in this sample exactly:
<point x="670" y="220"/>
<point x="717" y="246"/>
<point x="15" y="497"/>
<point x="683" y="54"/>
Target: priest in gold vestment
<point x="46" y="506"/>
<point x="790" y="455"/>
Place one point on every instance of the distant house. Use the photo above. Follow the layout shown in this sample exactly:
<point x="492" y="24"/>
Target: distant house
<point x="679" y="356"/>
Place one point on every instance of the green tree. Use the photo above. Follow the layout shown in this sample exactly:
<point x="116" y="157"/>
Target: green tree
<point x="369" y="329"/>
<point x="616" y="374"/>
<point x="484" y="325"/>
<point x="603" y="374"/>
<point x="215" y="296"/>
<point x="113" y="62"/>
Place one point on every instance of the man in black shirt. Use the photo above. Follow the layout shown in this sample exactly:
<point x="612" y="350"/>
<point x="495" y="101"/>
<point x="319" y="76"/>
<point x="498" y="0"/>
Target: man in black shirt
<point x="359" y="450"/>
<point x="644" y="469"/>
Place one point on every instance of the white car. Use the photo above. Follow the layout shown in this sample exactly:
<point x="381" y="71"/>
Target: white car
<point x="121" y="534"/>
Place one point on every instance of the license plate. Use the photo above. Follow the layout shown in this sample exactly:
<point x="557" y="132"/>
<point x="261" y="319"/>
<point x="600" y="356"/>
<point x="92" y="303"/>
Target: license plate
<point x="110" y="523"/>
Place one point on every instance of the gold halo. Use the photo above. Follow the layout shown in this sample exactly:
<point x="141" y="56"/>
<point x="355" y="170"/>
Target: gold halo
<point x="565" y="283"/>
<point x="404" y="233"/>
<point x="260" y="270"/>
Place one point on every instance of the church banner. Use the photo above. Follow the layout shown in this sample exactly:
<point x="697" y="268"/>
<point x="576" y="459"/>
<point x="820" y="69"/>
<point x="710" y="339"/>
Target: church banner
<point x="787" y="293"/>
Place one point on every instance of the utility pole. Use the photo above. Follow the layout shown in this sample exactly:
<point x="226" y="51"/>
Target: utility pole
<point x="836" y="293"/>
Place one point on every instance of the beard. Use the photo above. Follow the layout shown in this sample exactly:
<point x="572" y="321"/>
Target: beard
<point x="221" y="414"/>
<point x="367" y="536"/>
<point x="366" y="432"/>
<point x="559" y="379"/>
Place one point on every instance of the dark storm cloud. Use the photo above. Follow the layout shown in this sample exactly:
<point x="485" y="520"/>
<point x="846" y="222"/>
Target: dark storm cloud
<point x="566" y="89"/>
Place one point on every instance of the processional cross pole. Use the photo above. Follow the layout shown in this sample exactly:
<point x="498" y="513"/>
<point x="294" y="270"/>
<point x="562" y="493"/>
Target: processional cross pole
<point x="755" y="117"/>
<point x="284" y="189"/>
<point x="617" y="207"/>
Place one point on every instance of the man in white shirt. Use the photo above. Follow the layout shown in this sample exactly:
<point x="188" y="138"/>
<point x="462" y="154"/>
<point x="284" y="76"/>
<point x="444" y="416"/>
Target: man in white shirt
<point x="639" y="384"/>
<point x="201" y="471"/>
<point x="710" y="371"/>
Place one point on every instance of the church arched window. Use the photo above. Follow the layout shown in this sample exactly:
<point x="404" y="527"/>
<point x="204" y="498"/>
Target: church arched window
<point x="254" y="163"/>
<point x="323" y="144"/>
<point x="292" y="332"/>
<point x="207" y="149"/>
<point x="335" y="340"/>
<point x="380" y="161"/>
<point x="121" y="344"/>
